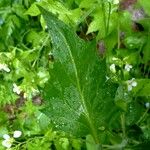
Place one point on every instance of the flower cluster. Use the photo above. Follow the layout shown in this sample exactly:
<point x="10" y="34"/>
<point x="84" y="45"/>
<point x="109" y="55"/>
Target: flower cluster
<point x="8" y="141"/>
<point x="131" y="83"/>
<point x="127" y="67"/>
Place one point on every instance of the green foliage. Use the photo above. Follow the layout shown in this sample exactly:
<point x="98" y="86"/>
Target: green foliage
<point x="145" y="5"/>
<point x="90" y="143"/>
<point x="68" y="16"/>
<point x="59" y="90"/>
<point x="22" y="52"/>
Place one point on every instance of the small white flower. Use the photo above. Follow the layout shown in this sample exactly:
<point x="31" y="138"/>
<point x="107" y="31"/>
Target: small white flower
<point x="128" y="67"/>
<point x="6" y="136"/>
<point x="17" y="134"/>
<point x="7" y="142"/>
<point x="131" y="83"/>
<point x="147" y="105"/>
<point x="16" y="89"/>
<point x="112" y="68"/>
<point x="4" y="67"/>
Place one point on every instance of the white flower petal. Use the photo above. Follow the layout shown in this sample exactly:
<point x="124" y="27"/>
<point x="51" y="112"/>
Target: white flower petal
<point x="16" y="89"/>
<point x="4" y="67"/>
<point x="131" y="83"/>
<point x="112" y="68"/>
<point x="129" y="87"/>
<point x="147" y="105"/>
<point x="134" y="83"/>
<point x="17" y="134"/>
<point x="7" y="69"/>
<point x="128" y="67"/>
<point x="7" y="143"/>
<point x="6" y="136"/>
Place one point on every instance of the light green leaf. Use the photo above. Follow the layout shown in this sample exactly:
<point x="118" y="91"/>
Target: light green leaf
<point x="102" y="22"/>
<point x="125" y="21"/>
<point x="19" y="11"/>
<point x="43" y="24"/>
<point x="6" y="94"/>
<point x="74" y="15"/>
<point x="90" y="143"/>
<point x="146" y="5"/>
<point x="87" y="3"/>
<point x="142" y="88"/>
<point x="34" y="38"/>
<point x="43" y="76"/>
<point x="20" y="70"/>
<point x="78" y="96"/>
<point x="134" y="42"/>
<point x="33" y="10"/>
<point x="96" y="24"/>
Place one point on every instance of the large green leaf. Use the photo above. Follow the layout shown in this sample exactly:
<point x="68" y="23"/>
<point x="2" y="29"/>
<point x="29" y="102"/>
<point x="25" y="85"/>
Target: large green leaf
<point x="79" y="100"/>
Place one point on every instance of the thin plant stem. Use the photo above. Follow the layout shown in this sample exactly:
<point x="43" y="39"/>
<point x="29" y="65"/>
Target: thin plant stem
<point x="123" y="125"/>
<point x="39" y="51"/>
<point x="143" y="116"/>
<point x="108" y="20"/>
<point x="104" y="16"/>
<point x="118" y="30"/>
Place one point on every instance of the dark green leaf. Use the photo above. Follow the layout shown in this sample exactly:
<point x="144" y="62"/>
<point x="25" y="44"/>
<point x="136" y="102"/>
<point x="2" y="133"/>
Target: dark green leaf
<point x="78" y="95"/>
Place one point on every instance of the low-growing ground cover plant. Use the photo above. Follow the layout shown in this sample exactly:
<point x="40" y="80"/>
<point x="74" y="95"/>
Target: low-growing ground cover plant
<point x="74" y="75"/>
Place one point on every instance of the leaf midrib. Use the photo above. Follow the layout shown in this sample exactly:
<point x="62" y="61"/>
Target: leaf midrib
<point x="80" y="92"/>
